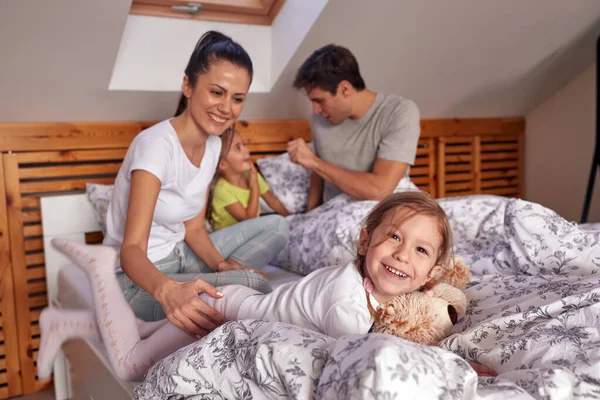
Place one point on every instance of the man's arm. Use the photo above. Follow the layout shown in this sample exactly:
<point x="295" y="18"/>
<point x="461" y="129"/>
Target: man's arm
<point x="363" y="185"/>
<point x="315" y="192"/>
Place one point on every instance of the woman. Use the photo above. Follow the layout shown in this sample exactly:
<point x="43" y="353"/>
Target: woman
<point x="156" y="215"/>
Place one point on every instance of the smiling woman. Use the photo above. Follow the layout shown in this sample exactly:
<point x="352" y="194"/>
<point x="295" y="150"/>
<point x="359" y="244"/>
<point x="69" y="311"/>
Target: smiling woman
<point x="156" y="215"/>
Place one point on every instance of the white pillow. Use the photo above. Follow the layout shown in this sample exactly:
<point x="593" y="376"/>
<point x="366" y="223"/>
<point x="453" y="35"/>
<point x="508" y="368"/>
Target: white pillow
<point x="325" y="236"/>
<point x="288" y="181"/>
<point x="99" y="196"/>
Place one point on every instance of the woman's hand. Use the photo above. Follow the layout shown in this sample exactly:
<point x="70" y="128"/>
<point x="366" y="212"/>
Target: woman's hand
<point x="482" y="370"/>
<point x="231" y="264"/>
<point x="184" y="308"/>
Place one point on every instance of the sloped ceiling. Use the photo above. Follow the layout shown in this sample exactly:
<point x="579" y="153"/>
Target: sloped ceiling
<point x="459" y="58"/>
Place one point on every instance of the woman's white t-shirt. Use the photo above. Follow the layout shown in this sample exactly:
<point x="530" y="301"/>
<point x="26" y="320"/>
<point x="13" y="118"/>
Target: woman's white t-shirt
<point x="183" y="187"/>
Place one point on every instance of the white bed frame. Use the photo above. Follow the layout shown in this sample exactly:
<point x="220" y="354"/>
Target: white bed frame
<point x="80" y="371"/>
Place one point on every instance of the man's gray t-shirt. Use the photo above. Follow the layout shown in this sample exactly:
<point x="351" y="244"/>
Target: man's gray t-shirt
<point x="390" y="130"/>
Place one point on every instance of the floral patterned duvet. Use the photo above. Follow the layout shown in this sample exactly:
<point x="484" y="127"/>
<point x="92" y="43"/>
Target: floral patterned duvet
<point x="533" y="316"/>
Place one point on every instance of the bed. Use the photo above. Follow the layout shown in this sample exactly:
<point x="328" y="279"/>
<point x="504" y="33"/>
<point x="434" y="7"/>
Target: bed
<point x="533" y="315"/>
<point x="455" y="157"/>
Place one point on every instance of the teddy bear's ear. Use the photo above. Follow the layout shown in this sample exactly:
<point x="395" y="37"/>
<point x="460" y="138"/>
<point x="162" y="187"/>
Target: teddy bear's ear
<point x="453" y="314"/>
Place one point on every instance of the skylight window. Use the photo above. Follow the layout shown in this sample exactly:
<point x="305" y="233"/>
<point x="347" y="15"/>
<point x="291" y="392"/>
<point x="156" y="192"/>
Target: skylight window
<point x="257" y="12"/>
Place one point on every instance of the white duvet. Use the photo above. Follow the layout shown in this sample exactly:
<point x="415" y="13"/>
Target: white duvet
<point x="533" y="316"/>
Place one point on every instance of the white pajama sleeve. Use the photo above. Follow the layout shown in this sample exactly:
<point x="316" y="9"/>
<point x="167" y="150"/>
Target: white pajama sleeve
<point x="347" y="317"/>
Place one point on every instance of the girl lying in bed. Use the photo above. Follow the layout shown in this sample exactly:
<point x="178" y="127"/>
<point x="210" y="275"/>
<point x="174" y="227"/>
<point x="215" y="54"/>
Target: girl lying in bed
<point x="239" y="185"/>
<point x="405" y="242"/>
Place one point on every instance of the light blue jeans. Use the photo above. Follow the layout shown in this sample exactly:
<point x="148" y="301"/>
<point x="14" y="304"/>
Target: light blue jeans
<point x="253" y="243"/>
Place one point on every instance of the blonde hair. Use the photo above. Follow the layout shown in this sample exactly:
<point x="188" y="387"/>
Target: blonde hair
<point x="414" y="202"/>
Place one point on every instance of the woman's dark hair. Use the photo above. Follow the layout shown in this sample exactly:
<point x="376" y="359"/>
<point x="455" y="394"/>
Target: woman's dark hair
<point x="213" y="47"/>
<point x="327" y="67"/>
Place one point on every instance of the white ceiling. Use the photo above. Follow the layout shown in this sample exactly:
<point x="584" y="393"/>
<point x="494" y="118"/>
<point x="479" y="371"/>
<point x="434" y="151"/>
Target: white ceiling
<point x="459" y="58"/>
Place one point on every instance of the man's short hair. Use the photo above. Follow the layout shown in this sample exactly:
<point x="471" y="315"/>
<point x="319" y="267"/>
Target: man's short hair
<point x="327" y="67"/>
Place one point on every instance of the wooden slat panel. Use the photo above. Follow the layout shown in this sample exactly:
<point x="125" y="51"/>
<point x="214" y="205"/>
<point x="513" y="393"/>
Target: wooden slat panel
<point x="69" y="170"/>
<point x="417" y="171"/>
<point x="458" y="158"/>
<point x="30" y="202"/>
<point x="477" y="164"/>
<point x="500" y="182"/>
<point x="472" y="127"/>
<point x="493" y="174"/>
<point x="71" y="156"/>
<point x="459" y="149"/>
<point x="32" y="230"/>
<point x="3" y="378"/>
<point x="421" y="181"/>
<point x="17" y="252"/>
<point x="36" y="287"/>
<point x="487" y="165"/>
<point x="35" y="343"/>
<point x="62" y="185"/>
<point x="35" y="329"/>
<point x="9" y="349"/>
<point x="34" y="316"/>
<point x="441" y="167"/>
<point x="421" y="161"/>
<point x="267" y="147"/>
<point x="468" y="176"/>
<point x="34" y="244"/>
<point x="460" y="193"/>
<point x="38" y="301"/>
<point x="34" y="259"/>
<point x="521" y="165"/>
<point x="63" y="136"/>
<point x="499" y="156"/>
<point x="36" y="273"/>
<point x="273" y="131"/>
<point x="423" y="151"/>
<point x="32" y="216"/>
<point x="493" y="147"/>
<point x="505" y="191"/>
<point x="456" y="186"/>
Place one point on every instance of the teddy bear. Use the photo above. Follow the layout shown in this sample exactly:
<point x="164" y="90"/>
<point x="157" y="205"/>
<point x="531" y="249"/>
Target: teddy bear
<point x="427" y="316"/>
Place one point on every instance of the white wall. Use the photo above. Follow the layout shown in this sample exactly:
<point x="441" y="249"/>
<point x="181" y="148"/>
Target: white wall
<point x="559" y="146"/>
<point x="154" y="52"/>
<point x="461" y="58"/>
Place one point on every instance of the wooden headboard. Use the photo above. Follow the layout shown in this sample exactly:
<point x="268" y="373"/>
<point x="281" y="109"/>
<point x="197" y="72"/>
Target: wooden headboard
<point x="454" y="157"/>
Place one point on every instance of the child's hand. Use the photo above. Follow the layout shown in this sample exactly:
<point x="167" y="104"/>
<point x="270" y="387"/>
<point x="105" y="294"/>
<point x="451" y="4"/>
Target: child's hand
<point x="230" y="264"/>
<point x="253" y="178"/>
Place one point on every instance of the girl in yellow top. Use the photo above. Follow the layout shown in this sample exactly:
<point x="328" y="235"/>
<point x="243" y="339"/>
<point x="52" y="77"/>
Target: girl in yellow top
<point x="236" y="193"/>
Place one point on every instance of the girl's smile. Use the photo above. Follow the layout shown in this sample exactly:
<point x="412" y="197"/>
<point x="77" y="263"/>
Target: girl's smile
<point x="401" y="259"/>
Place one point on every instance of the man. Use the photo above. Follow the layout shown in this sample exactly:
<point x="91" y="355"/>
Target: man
<point x="364" y="141"/>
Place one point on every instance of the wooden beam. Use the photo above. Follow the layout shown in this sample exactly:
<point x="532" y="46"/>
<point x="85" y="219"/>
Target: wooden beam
<point x="19" y="268"/>
<point x="8" y="320"/>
